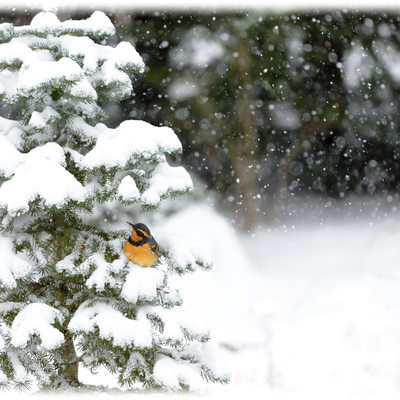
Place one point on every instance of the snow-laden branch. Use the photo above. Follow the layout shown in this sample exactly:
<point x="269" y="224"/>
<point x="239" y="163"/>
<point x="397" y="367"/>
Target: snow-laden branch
<point x="37" y="319"/>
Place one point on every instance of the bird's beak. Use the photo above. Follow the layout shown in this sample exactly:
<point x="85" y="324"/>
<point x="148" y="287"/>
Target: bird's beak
<point x="130" y="224"/>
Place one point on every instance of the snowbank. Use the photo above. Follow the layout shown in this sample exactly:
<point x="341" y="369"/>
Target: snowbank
<point x="305" y="312"/>
<point x="222" y="295"/>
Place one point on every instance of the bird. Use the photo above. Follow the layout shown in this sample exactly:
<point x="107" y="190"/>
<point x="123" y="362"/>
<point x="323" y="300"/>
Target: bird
<point x="141" y="247"/>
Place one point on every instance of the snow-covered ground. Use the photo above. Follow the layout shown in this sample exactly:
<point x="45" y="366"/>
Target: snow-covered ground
<point x="300" y="313"/>
<point x="303" y="312"/>
<point x="331" y="304"/>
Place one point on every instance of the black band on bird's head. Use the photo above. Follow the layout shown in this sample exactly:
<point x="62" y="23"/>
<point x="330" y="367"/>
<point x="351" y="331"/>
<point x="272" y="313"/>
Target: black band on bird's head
<point x="142" y="227"/>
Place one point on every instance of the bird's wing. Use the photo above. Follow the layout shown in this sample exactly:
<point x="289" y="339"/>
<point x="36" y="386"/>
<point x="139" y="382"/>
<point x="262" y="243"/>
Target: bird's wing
<point x="154" y="246"/>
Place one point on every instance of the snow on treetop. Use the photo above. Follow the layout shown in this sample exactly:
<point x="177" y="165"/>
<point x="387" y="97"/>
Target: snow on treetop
<point x="37" y="318"/>
<point x="81" y="46"/>
<point x="102" y="274"/>
<point x="97" y="25"/>
<point x="45" y="20"/>
<point x="124" y="56"/>
<point x="115" y="147"/>
<point x="186" y="252"/>
<point x="58" y="54"/>
<point x="36" y="73"/>
<point x="8" y="83"/>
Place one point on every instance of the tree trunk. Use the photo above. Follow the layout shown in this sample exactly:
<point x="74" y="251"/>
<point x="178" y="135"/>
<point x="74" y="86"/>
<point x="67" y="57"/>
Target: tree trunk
<point x="245" y="147"/>
<point x="69" y="363"/>
<point x="240" y="129"/>
<point x="242" y="145"/>
<point x="69" y="369"/>
<point x="282" y="175"/>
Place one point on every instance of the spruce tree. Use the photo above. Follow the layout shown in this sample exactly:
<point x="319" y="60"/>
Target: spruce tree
<point x="68" y="294"/>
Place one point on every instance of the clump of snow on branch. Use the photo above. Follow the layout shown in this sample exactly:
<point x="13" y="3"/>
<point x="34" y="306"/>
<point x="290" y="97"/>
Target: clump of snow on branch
<point x="165" y="180"/>
<point x="44" y="178"/>
<point x="12" y="266"/>
<point x="112" y="325"/>
<point x="102" y="275"/>
<point x="127" y="189"/>
<point x="141" y="283"/>
<point x="37" y="318"/>
<point x="170" y="373"/>
<point x="115" y="147"/>
<point x="97" y="25"/>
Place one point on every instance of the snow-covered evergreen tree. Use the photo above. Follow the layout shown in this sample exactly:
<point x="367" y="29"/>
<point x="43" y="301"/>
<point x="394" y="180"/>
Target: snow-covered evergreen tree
<point x="68" y="295"/>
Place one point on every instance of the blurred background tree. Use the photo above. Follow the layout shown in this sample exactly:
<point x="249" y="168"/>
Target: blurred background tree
<point x="271" y="106"/>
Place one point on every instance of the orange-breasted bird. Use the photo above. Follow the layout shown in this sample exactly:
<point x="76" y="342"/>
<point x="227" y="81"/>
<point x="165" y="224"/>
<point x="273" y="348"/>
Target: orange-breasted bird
<point x="141" y="247"/>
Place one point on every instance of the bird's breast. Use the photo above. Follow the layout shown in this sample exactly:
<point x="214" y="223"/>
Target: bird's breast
<point x="141" y="255"/>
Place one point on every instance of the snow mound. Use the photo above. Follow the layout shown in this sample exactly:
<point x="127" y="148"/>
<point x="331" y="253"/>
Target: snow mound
<point x="225" y="294"/>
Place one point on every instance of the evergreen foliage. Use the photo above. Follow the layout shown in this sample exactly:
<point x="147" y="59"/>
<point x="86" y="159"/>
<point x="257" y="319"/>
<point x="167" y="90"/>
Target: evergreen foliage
<point x="68" y="295"/>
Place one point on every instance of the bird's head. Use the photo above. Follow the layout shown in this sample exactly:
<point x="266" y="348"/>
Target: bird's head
<point x="140" y="230"/>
